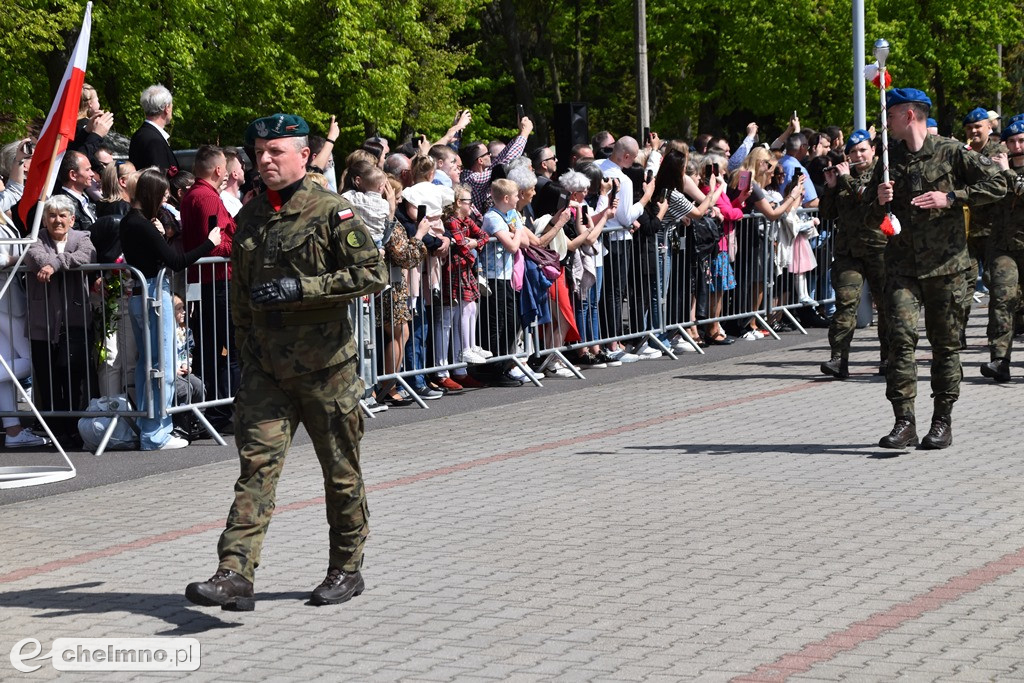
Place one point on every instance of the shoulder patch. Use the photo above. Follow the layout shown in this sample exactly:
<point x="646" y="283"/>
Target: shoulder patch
<point x="985" y="160"/>
<point x="345" y="214"/>
<point x="355" y="238"/>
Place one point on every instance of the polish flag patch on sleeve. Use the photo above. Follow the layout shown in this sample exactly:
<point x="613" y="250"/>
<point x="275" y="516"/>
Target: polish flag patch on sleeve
<point x="345" y="214"/>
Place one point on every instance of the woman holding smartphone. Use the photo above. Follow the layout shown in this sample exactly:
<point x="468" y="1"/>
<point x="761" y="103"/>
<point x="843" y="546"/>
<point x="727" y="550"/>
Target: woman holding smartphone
<point x="144" y="246"/>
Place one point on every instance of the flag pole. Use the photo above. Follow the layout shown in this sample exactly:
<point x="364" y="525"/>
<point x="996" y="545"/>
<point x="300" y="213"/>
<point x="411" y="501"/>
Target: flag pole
<point x="881" y="54"/>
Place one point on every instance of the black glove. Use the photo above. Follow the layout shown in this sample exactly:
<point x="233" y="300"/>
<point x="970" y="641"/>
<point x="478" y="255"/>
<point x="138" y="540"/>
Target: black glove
<point x="277" y="291"/>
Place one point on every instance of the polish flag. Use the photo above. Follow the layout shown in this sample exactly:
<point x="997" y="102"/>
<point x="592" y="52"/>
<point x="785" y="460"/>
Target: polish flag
<point x="59" y="128"/>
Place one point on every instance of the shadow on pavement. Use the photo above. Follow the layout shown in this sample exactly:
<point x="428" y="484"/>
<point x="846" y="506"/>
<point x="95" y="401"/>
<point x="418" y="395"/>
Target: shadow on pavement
<point x="64" y="601"/>
<point x="866" y="450"/>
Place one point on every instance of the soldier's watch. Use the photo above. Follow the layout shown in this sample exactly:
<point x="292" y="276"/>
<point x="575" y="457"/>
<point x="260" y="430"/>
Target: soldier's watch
<point x="952" y="199"/>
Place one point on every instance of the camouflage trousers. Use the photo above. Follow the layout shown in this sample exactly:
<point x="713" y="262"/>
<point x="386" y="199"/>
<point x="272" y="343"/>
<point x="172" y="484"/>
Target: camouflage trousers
<point x="267" y="413"/>
<point x="1005" y="283"/>
<point x="848" y="276"/>
<point x="942" y="300"/>
<point x="977" y="249"/>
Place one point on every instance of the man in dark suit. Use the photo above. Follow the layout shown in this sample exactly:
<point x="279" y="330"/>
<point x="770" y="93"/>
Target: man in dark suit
<point x="73" y="178"/>
<point x="149" y="144"/>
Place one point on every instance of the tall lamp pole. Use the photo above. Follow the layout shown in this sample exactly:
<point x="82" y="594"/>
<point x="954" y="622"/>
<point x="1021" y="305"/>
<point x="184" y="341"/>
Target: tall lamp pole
<point x="859" y="118"/>
<point x="643" y="100"/>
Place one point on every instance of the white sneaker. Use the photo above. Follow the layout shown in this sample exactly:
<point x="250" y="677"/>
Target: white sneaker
<point x="483" y="352"/>
<point x="471" y="356"/>
<point x="516" y="373"/>
<point x="173" y="443"/>
<point x="752" y="335"/>
<point x="558" y="370"/>
<point x="631" y="357"/>
<point x="650" y="353"/>
<point x="25" y="439"/>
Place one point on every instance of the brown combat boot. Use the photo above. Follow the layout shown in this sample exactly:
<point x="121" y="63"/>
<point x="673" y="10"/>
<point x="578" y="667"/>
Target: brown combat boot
<point x="903" y="434"/>
<point x="838" y="367"/>
<point x="941" y="433"/>
<point x="339" y="586"/>
<point x="229" y="590"/>
<point x="998" y="369"/>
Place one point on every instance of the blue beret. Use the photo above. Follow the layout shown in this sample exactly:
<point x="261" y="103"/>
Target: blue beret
<point x="931" y="123"/>
<point x="975" y="115"/>
<point x="276" y="126"/>
<point x="905" y="96"/>
<point x="1015" y="128"/>
<point x="856" y="137"/>
<point x="1015" y="118"/>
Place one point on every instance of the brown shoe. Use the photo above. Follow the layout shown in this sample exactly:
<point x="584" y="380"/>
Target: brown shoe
<point x="903" y="434"/>
<point x="227" y="589"/>
<point x="940" y="435"/>
<point x="339" y="586"/>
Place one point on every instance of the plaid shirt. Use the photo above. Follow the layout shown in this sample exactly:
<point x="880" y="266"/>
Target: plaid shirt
<point x="479" y="182"/>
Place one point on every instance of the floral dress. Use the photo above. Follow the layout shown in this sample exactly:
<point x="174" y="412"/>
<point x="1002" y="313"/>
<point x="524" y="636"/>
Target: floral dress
<point x="401" y="252"/>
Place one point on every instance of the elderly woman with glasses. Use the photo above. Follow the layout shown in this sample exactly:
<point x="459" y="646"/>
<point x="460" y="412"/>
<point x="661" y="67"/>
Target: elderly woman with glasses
<point x="59" y="315"/>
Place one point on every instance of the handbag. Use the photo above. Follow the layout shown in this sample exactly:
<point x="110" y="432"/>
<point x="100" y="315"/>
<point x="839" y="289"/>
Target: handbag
<point x="731" y="242"/>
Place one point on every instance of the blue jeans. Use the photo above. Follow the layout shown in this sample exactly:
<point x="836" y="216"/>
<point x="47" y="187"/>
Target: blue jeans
<point x="416" y="347"/>
<point x="587" y="315"/>
<point x="154" y="432"/>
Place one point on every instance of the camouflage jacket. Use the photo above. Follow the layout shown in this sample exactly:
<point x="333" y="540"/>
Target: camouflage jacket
<point x="933" y="241"/>
<point x="1008" y="234"/>
<point x="857" y="230"/>
<point x="317" y="238"/>
<point x="983" y="219"/>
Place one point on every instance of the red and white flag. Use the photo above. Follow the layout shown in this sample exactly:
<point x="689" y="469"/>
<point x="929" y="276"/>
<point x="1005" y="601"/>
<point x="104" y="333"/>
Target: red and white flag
<point x="60" y="122"/>
<point x="871" y="72"/>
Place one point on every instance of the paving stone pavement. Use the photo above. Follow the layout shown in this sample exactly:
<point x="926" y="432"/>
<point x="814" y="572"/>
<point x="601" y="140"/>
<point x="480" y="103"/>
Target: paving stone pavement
<point x="731" y="521"/>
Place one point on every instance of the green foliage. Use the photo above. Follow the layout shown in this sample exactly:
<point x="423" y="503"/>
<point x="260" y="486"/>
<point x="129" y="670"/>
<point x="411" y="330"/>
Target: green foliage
<point x="404" y="66"/>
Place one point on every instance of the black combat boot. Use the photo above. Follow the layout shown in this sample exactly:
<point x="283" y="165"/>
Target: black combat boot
<point x="941" y="433"/>
<point x="225" y="588"/>
<point x="339" y="586"/>
<point x="998" y="369"/>
<point x="903" y="434"/>
<point x="883" y="368"/>
<point x="837" y="367"/>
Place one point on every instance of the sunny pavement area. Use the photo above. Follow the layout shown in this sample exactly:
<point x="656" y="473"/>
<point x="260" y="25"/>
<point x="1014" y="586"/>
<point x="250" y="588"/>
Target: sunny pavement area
<point x="732" y="518"/>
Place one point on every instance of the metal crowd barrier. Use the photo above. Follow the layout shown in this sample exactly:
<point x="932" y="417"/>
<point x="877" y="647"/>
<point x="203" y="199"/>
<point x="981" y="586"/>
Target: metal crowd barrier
<point x="82" y="345"/>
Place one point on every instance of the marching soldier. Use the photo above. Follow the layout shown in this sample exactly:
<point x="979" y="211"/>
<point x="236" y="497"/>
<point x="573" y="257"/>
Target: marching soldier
<point x="983" y="219"/>
<point x="859" y="252"/>
<point x="300" y="256"/>
<point x="1007" y="256"/>
<point x="926" y="264"/>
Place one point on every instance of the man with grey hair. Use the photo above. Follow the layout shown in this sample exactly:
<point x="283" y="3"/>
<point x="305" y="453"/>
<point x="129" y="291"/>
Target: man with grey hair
<point x="619" y="240"/>
<point x="149" y="143"/>
<point x="792" y="163"/>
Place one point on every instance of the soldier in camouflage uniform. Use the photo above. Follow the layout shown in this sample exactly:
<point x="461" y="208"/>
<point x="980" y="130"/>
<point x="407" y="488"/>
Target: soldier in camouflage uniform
<point x="983" y="219"/>
<point x="926" y="264"/>
<point x="859" y="252"/>
<point x="300" y="256"/>
<point x="1006" y="256"/>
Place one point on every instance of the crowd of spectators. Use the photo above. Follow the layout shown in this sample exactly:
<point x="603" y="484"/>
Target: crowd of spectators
<point x="626" y="250"/>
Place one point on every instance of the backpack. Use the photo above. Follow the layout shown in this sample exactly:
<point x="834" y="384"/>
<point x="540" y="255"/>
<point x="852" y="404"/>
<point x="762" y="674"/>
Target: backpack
<point x="706" y="234"/>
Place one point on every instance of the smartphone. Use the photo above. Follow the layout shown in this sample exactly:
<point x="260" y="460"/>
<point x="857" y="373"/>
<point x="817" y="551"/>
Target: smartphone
<point x="563" y="201"/>
<point x="614" y="191"/>
<point x="715" y="169"/>
<point x="662" y="195"/>
<point x="421" y="213"/>
<point x="520" y="113"/>
<point x="647" y="134"/>
<point x="743" y="183"/>
<point x="649" y="176"/>
<point x="798" y="171"/>
<point x="585" y="208"/>
<point x="794" y="115"/>
<point x="211" y="223"/>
